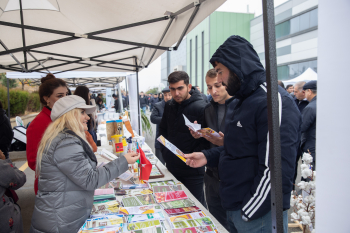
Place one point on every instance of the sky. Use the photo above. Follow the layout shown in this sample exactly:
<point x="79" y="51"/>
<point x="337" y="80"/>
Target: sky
<point x="150" y="77"/>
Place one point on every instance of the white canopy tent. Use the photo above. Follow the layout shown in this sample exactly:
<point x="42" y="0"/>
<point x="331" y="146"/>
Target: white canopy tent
<point x="92" y="36"/>
<point x="308" y="75"/>
<point x="87" y="35"/>
<point x="92" y="80"/>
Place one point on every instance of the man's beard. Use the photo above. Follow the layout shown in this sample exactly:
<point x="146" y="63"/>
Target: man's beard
<point x="233" y="84"/>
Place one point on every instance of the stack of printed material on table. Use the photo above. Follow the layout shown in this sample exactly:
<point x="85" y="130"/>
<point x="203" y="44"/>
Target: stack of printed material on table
<point x="182" y="213"/>
<point x="142" y="210"/>
<point x="104" y="194"/>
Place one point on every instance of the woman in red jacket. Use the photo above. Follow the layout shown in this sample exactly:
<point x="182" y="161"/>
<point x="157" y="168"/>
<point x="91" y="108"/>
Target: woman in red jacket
<point x="50" y="90"/>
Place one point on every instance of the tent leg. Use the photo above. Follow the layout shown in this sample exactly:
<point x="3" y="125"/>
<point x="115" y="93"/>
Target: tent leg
<point x="120" y="109"/>
<point x="273" y="116"/>
<point x="8" y="98"/>
<point x="138" y="98"/>
<point x="23" y="36"/>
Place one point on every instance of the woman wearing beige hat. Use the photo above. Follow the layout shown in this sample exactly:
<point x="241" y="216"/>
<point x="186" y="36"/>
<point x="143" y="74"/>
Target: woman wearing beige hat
<point x="66" y="167"/>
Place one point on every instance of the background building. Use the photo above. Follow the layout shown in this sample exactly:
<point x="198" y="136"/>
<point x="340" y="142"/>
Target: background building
<point x="200" y="44"/>
<point x="205" y="39"/>
<point x="173" y="61"/>
<point x="296" y="37"/>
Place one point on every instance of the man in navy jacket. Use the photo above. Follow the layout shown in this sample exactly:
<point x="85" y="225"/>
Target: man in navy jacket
<point x="243" y="163"/>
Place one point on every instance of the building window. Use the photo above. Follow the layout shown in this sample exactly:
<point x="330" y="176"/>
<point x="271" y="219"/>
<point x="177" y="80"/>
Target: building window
<point x="196" y="61"/>
<point x="203" y="75"/>
<point x="291" y="71"/>
<point x="297" y="24"/>
<point x="191" y="60"/>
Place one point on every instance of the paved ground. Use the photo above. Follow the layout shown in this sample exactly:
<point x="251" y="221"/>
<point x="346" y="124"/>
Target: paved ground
<point x="27" y="197"/>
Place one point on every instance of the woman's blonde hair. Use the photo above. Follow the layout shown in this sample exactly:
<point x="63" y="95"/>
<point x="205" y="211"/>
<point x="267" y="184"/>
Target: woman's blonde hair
<point x="71" y="121"/>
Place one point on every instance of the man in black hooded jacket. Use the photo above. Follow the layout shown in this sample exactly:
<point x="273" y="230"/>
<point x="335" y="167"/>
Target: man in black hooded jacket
<point x="189" y="102"/>
<point x="244" y="159"/>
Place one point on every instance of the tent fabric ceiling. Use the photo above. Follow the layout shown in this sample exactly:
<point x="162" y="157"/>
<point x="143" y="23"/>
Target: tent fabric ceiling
<point x="76" y="20"/>
<point x="75" y="78"/>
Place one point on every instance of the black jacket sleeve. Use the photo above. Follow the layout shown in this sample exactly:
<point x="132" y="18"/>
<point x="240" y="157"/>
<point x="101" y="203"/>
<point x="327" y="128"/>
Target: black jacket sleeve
<point x="308" y="116"/>
<point x="155" y="118"/>
<point x="163" y="125"/>
<point x="213" y="155"/>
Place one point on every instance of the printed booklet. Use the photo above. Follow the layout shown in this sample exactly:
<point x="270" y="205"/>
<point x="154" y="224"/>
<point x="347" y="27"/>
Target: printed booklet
<point x="197" y="128"/>
<point x="166" y="188"/>
<point x="184" y="210"/>
<point x="161" y="183"/>
<point x="170" y="196"/>
<point x="146" y="209"/>
<point x="177" y="204"/>
<point x="171" y="147"/>
<point x="139" y="200"/>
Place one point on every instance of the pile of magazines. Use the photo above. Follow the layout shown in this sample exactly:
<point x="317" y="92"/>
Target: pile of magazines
<point x="155" y="207"/>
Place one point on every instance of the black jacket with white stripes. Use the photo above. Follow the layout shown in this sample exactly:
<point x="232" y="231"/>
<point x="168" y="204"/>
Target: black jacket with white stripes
<point x="244" y="166"/>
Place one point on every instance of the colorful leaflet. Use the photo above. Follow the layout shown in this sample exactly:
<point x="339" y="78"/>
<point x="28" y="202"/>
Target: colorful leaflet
<point x="178" y="211"/>
<point x="172" y="148"/>
<point x="178" y="204"/>
<point x="138" y="200"/>
<point x="170" y="196"/>
<point x="166" y="188"/>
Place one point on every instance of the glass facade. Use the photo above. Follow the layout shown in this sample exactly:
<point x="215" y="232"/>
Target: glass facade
<point x="291" y="71"/>
<point x="297" y="24"/>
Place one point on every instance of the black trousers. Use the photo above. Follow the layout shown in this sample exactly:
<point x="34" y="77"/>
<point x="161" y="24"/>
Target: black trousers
<point x="212" y="194"/>
<point x="194" y="183"/>
<point x="159" y="155"/>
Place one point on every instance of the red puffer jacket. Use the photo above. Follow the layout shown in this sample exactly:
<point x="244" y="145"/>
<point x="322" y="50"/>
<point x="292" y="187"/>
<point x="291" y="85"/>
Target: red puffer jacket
<point x="35" y="132"/>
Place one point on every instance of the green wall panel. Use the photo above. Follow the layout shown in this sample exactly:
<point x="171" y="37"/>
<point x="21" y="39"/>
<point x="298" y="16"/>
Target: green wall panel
<point x="217" y="28"/>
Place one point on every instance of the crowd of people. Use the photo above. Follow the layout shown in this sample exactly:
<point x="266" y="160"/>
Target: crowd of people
<point x="228" y="173"/>
<point x="234" y="167"/>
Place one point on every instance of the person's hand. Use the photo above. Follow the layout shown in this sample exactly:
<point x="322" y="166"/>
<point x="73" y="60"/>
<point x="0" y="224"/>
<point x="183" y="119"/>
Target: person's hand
<point x="2" y="156"/>
<point x="196" y="135"/>
<point x="219" y="141"/>
<point x="132" y="157"/>
<point x="196" y="159"/>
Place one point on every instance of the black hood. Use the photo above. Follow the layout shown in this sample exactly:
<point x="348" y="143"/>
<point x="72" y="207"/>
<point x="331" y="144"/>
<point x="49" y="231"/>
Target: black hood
<point x="195" y="96"/>
<point x="239" y="56"/>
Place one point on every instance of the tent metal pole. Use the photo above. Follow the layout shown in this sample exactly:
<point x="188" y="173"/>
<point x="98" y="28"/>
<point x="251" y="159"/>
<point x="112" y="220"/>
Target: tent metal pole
<point x="113" y="62"/>
<point x="15" y="25"/>
<point x="128" y="26"/>
<point x="15" y="64"/>
<point x="40" y="63"/>
<point x="273" y="116"/>
<point x="161" y="39"/>
<point x="116" y="68"/>
<point x="138" y="98"/>
<point x="61" y="64"/>
<point x="72" y="69"/>
<point x="55" y="54"/>
<point x="120" y="51"/>
<point x="10" y="68"/>
<point x="186" y="8"/>
<point x="13" y="56"/>
<point x="8" y="98"/>
<point x="23" y="35"/>
<point x="194" y="13"/>
<point x="127" y="42"/>
<point x="38" y="45"/>
<point x="122" y="58"/>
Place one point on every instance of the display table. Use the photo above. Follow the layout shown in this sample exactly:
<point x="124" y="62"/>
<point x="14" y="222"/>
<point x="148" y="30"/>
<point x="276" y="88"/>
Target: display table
<point x="167" y="176"/>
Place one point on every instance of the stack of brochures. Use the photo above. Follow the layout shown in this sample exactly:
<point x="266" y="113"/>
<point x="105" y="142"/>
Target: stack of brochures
<point x="146" y="208"/>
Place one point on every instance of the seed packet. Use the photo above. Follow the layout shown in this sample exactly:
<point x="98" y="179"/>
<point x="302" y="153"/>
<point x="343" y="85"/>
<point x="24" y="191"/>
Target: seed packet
<point x="184" y="210"/>
<point x="145" y="217"/>
<point x="166" y="188"/>
<point x="170" y="196"/>
<point x="178" y="204"/>
<point x="139" y="200"/>
<point x="146" y="209"/>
